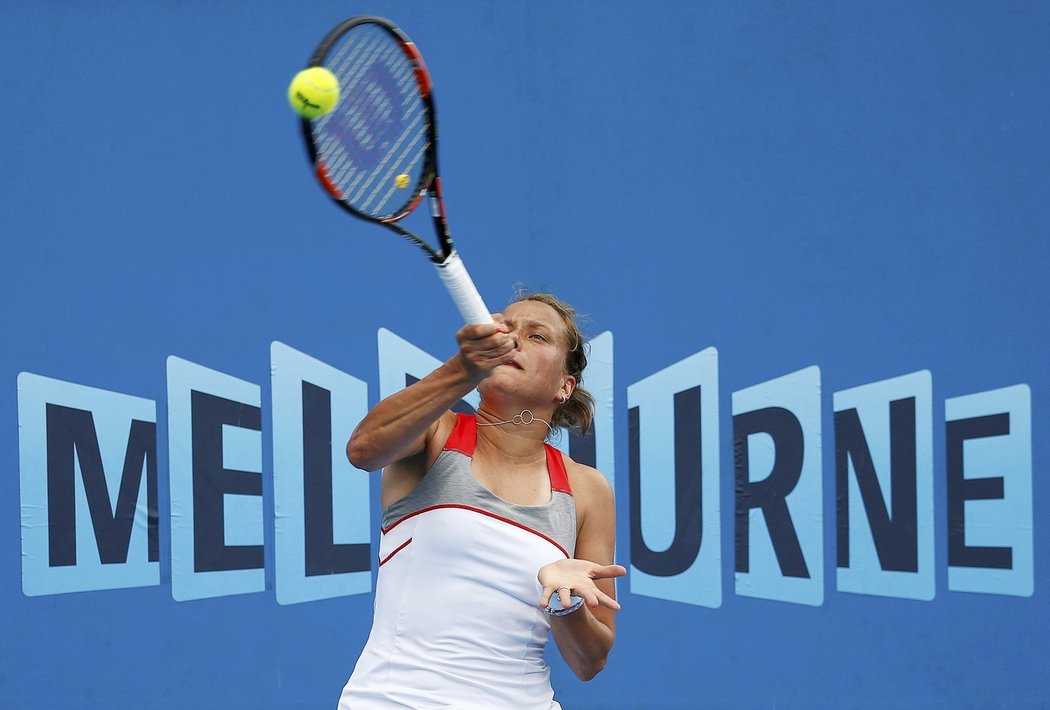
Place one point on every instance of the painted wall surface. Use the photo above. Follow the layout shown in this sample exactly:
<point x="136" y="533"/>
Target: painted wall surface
<point x="811" y="241"/>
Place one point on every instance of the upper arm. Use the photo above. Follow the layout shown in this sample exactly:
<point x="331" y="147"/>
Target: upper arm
<point x="368" y="447"/>
<point x="596" y="516"/>
<point x="596" y="533"/>
<point x="403" y="475"/>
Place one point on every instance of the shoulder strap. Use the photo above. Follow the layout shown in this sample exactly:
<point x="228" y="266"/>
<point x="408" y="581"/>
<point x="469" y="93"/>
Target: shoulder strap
<point x="464" y="439"/>
<point x="556" y="470"/>
<point x="464" y="436"/>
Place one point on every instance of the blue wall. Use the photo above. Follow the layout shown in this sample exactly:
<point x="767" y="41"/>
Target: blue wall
<point x="832" y="214"/>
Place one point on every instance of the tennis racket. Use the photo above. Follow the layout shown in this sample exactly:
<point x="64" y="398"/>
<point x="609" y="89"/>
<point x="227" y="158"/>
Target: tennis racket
<point x="375" y="153"/>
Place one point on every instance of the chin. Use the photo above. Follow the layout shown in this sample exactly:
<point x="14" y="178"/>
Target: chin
<point x="501" y="373"/>
<point x="498" y="386"/>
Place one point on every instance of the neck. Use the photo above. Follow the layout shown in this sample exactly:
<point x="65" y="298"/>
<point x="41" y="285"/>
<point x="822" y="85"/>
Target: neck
<point x="520" y="435"/>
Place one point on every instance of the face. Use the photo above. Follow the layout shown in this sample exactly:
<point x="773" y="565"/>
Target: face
<point x="535" y="371"/>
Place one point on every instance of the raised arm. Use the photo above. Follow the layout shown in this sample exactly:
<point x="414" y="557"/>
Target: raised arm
<point x="399" y="426"/>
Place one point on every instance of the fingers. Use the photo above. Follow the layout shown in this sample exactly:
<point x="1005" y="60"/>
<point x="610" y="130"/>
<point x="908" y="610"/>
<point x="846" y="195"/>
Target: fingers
<point x="562" y="594"/>
<point x="484" y="347"/>
<point x="605" y="600"/>
<point x="574" y="577"/>
<point x="594" y="597"/>
<point x="591" y="594"/>
<point x="608" y="571"/>
<point x="565" y="596"/>
<point x="480" y="331"/>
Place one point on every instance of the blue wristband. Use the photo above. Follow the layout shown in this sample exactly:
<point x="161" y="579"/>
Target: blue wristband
<point x="554" y="607"/>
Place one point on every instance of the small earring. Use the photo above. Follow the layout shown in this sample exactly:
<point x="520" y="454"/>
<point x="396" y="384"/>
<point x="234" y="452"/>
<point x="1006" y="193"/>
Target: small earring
<point x="563" y="399"/>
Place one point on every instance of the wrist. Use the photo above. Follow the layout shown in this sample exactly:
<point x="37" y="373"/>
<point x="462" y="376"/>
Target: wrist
<point x="554" y="606"/>
<point x="458" y="377"/>
<point x="464" y="373"/>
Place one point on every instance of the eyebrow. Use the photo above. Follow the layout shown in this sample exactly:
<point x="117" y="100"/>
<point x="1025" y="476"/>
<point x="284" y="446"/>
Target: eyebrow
<point x="528" y="323"/>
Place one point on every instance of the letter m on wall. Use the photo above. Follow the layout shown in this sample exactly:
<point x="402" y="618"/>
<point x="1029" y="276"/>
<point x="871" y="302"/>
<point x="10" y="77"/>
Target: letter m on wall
<point x="88" y="480"/>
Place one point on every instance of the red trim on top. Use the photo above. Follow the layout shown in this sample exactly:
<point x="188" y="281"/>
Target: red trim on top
<point x="472" y="509"/>
<point x="464" y="436"/>
<point x="400" y="547"/>
<point x="464" y="439"/>
<point x="556" y="470"/>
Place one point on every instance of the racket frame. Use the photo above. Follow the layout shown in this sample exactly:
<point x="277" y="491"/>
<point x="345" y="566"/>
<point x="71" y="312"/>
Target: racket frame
<point x="429" y="182"/>
<point x="445" y="259"/>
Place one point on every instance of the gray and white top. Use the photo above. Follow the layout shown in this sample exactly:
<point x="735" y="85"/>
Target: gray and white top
<point x="457" y="619"/>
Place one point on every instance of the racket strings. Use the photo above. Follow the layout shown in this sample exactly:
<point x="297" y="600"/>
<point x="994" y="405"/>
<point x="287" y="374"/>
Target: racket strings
<point x="358" y="119"/>
<point x="371" y="190"/>
<point x="349" y="140"/>
<point x="379" y="130"/>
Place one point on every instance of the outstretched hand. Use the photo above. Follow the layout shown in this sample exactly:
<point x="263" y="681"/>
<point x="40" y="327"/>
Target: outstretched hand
<point x="572" y="576"/>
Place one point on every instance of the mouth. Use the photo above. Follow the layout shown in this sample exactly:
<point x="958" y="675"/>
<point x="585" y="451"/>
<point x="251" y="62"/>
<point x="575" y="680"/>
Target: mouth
<point x="511" y="363"/>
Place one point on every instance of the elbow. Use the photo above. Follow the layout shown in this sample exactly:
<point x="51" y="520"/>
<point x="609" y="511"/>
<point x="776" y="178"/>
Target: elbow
<point x="588" y="670"/>
<point x="359" y="454"/>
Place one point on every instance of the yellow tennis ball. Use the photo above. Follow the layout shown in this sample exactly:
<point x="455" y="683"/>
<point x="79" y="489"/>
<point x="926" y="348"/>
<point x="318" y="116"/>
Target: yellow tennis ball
<point x="313" y="92"/>
<point x="401" y="180"/>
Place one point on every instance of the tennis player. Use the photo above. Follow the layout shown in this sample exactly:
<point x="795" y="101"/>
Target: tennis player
<point x="492" y="539"/>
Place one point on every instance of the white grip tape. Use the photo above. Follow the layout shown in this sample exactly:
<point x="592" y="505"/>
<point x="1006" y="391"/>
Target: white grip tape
<point x="464" y="293"/>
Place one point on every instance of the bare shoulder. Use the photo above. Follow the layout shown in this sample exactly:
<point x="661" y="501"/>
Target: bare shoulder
<point x="590" y="487"/>
<point x="437" y="436"/>
<point x="595" y="512"/>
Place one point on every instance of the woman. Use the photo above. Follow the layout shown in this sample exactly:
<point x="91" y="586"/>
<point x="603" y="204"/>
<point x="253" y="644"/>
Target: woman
<point x="491" y="538"/>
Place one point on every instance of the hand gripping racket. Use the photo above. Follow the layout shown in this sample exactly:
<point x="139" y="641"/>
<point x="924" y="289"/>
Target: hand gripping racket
<point x="375" y="153"/>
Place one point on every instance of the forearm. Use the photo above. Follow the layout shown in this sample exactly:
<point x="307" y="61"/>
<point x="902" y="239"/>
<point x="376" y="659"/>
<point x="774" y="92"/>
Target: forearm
<point x="583" y="640"/>
<point x="585" y="637"/>
<point x="397" y="425"/>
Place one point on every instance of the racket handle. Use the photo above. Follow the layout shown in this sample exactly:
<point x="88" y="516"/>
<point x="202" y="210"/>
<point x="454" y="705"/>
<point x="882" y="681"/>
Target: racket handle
<point x="462" y="289"/>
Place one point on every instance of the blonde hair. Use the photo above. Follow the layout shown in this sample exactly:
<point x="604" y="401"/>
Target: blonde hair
<point x="577" y="412"/>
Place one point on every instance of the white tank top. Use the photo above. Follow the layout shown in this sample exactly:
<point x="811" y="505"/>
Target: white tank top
<point x="457" y="622"/>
